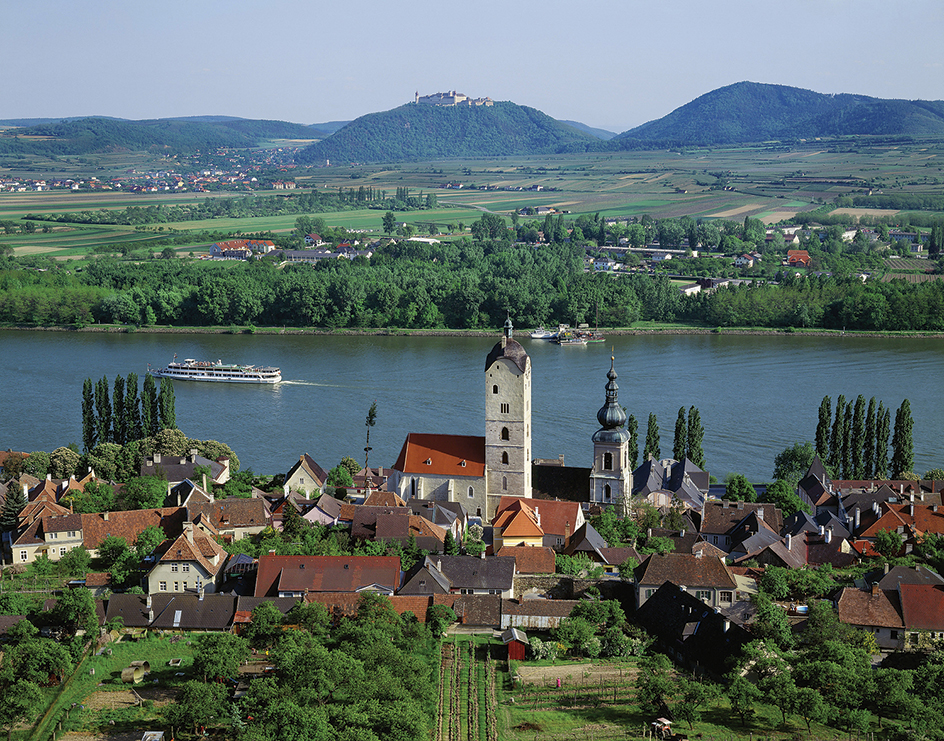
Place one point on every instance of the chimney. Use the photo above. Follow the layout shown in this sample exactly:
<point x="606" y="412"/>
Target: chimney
<point x="934" y="508"/>
<point x="911" y="497"/>
<point x="829" y="535"/>
<point x="482" y="555"/>
<point x="760" y="513"/>
<point x="740" y="504"/>
<point x="875" y="589"/>
<point x="205" y="483"/>
<point x="566" y="531"/>
<point x="105" y="516"/>
<point x="188" y="531"/>
<point x="439" y="564"/>
<point x="682" y="533"/>
<point x="857" y="516"/>
<point x="157" y="457"/>
<point x="150" y="609"/>
<point x="25" y="491"/>
<point x="48" y="477"/>
<point x="789" y="541"/>
<point x="649" y="532"/>
<point x="538" y="516"/>
<point x="699" y="553"/>
<point x="886" y="567"/>
<point x="727" y="625"/>
<point x="822" y="529"/>
<point x="911" y="507"/>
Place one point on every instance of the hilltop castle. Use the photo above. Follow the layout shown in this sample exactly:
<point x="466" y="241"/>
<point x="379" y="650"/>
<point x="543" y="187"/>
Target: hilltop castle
<point x="450" y="99"/>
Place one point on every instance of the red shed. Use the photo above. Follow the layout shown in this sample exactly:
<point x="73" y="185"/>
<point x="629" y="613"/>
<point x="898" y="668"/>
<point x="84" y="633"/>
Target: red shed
<point x="517" y="643"/>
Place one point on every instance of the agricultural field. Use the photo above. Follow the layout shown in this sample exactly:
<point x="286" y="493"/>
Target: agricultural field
<point x="771" y="183"/>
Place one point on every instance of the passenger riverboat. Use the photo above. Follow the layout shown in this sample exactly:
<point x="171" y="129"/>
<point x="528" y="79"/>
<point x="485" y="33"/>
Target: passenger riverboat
<point x="205" y="370"/>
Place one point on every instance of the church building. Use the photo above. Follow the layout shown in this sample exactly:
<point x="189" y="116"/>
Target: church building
<point x="611" y="479"/>
<point x="478" y="471"/>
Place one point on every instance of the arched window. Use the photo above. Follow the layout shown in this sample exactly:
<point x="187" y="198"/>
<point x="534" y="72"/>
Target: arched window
<point x="471" y="492"/>
<point x="412" y="488"/>
<point x="494" y="389"/>
<point x="505" y="435"/>
<point x="504" y="483"/>
<point x="607" y="461"/>
<point x="607" y="493"/>
<point x="505" y="456"/>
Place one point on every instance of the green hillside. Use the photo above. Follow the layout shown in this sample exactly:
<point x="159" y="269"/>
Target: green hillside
<point x="94" y="134"/>
<point x="751" y="112"/>
<point x="415" y="132"/>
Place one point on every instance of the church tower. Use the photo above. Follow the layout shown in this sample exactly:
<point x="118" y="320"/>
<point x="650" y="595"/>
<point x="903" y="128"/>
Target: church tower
<point x="507" y="420"/>
<point x="611" y="480"/>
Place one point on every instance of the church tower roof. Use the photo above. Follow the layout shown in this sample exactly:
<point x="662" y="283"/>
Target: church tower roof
<point x="611" y="415"/>
<point x="508" y="348"/>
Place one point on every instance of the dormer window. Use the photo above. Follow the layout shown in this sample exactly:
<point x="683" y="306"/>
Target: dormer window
<point x="462" y="464"/>
<point x="428" y="461"/>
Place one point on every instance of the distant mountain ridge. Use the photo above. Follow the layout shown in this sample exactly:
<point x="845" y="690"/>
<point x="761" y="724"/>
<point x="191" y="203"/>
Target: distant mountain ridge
<point x="754" y="112"/>
<point x="99" y="134"/>
<point x="414" y="132"/>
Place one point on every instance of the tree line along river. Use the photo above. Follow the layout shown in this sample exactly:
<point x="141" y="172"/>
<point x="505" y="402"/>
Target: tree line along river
<point x="757" y="394"/>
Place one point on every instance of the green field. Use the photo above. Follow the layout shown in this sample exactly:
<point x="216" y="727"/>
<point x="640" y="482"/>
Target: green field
<point x="768" y="182"/>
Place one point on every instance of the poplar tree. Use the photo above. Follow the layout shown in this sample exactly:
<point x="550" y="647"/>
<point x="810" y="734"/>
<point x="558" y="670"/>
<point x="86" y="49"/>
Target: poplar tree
<point x="696" y="434"/>
<point x="119" y="430"/>
<point x="165" y="404"/>
<point x="89" y="429"/>
<point x="836" y="439"/>
<point x="632" y="427"/>
<point x="868" y="444"/>
<point x="103" y="410"/>
<point x="883" y="425"/>
<point x="847" y="442"/>
<point x="857" y="443"/>
<point x="903" y="441"/>
<point x="822" y="428"/>
<point x="149" y="413"/>
<point x="133" y="409"/>
<point x="681" y="436"/>
<point x="652" y="439"/>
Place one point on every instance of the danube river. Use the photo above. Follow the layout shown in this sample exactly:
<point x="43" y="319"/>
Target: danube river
<point x="756" y="394"/>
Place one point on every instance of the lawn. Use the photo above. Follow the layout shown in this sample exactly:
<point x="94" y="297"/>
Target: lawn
<point x="99" y="676"/>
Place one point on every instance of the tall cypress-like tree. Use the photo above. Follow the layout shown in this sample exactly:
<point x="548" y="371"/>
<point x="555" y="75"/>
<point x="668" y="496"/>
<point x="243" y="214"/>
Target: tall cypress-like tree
<point x="857" y="443"/>
<point x="652" y="439"/>
<point x="903" y="441"/>
<point x="822" y="428"/>
<point x="119" y="430"/>
<point x="836" y="439"/>
<point x="103" y="410"/>
<point x="696" y="434"/>
<point x="150" y="416"/>
<point x="166" y="405"/>
<point x="883" y="427"/>
<point x="632" y="427"/>
<point x="89" y="426"/>
<point x="12" y="506"/>
<point x="868" y="444"/>
<point x="847" y="442"/>
<point x="133" y="409"/>
<point x="681" y="436"/>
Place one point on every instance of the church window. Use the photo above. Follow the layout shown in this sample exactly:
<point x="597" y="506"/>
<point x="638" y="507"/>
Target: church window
<point x="413" y="488"/>
<point x="504" y="483"/>
<point x="495" y="389"/>
<point x="607" y="461"/>
<point x="505" y="457"/>
<point x="471" y="492"/>
<point x="505" y="408"/>
<point x="607" y="492"/>
<point x="505" y="435"/>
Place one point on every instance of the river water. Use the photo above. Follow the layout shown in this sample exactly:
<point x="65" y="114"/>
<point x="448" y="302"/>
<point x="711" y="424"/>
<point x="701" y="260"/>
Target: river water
<point x="756" y="394"/>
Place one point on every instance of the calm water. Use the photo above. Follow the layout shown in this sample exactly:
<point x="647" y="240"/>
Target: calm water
<point x="757" y="394"/>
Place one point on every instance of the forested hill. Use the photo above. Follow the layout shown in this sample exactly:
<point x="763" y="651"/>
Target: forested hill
<point x="752" y="112"/>
<point x="413" y="132"/>
<point x="94" y="134"/>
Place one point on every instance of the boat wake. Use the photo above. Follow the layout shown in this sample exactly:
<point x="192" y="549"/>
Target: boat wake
<point x="309" y="383"/>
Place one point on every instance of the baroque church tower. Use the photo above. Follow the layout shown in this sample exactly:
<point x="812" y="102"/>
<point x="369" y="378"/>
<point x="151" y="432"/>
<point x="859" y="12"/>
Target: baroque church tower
<point x="507" y="420"/>
<point x="611" y="480"/>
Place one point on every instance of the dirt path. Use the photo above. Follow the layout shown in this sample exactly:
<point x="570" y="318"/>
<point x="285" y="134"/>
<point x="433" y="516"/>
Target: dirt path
<point x="588" y="674"/>
<point x="126" y="699"/>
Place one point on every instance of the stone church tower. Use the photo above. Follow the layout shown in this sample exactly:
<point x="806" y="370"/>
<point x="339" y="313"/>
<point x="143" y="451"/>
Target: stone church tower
<point x="507" y="420"/>
<point x="611" y="480"/>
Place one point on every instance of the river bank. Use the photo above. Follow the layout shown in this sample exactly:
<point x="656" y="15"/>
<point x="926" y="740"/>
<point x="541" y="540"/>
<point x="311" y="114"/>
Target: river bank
<point x="387" y="332"/>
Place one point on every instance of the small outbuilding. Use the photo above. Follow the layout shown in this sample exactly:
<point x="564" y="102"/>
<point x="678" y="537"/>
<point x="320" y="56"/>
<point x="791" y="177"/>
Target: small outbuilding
<point x="517" y="642"/>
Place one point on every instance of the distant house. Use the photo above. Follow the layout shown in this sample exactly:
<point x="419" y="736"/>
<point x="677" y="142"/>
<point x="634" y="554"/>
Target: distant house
<point x="461" y="575"/>
<point x="296" y="576"/>
<point x="744" y="261"/>
<point x="305" y="476"/>
<point x="877" y="611"/>
<point x="798" y="258"/>
<point x="176" y="469"/>
<point x="516" y="643"/>
<point x="193" y="562"/>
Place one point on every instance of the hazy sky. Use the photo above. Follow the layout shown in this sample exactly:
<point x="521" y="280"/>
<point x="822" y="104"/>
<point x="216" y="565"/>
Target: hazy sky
<point x="608" y="63"/>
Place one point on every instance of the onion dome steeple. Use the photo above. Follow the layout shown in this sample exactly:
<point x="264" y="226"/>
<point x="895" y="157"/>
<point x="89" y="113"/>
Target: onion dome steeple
<point x="611" y="416"/>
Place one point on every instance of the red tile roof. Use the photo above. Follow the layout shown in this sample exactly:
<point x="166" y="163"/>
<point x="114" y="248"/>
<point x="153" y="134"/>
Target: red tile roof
<point x="324" y="573"/>
<point x="917" y="519"/>
<point x="530" y="560"/>
<point x="922" y="606"/>
<point x="875" y="608"/>
<point x="556" y="518"/>
<point x="442" y="455"/>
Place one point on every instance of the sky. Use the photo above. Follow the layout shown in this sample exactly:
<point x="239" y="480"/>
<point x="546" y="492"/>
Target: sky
<point x="613" y="64"/>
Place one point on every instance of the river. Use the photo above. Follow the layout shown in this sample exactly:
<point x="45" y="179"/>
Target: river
<point x="757" y="394"/>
